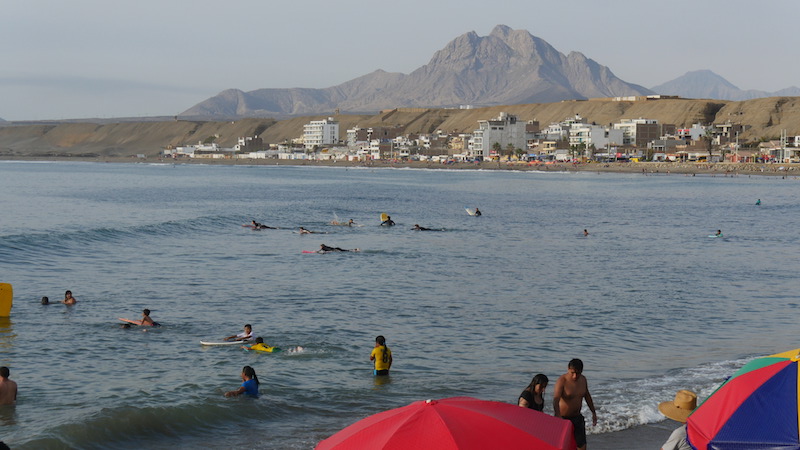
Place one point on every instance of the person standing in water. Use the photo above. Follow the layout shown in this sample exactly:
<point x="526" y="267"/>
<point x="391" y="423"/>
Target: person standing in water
<point x="249" y="385"/>
<point x="69" y="299"/>
<point x="8" y="388"/>
<point x="568" y="396"/>
<point x="533" y="395"/>
<point x="382" y="356"/>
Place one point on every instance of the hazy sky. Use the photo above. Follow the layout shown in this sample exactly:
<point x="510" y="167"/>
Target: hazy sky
<point x="99" y="58"/>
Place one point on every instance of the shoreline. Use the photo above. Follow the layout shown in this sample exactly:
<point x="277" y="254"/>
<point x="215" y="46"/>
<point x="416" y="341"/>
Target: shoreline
<point x="645" y="168"/>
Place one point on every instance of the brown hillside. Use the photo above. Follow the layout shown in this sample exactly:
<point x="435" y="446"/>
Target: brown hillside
<point x="765" y="117"/>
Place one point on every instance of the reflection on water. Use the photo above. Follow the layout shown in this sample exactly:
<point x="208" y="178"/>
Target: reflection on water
<point x="8" y="415"/>
<point x="380" y="380"/>
<point x="7" y="334"/>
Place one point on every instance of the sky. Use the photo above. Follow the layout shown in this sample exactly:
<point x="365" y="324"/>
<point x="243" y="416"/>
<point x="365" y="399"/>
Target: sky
<point x="104" y="59"/>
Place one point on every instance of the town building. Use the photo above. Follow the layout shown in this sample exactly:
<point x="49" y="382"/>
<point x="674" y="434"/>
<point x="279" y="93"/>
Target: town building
<point x="504" y="130"/>
<point x="320" y="132"/>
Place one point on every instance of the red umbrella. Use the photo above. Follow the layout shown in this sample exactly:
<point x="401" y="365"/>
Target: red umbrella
<point x="455" y="423"/>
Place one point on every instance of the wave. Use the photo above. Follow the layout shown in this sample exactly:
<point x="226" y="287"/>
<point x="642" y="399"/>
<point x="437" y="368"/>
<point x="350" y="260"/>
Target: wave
<point x="37" y="245"/>
<point x="629" y="403"/>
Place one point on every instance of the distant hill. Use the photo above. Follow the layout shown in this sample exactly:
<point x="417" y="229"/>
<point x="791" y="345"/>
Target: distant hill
<point x="763" y="118"/>
<point x="707" y="84"/>
<point x="504" y="68"/>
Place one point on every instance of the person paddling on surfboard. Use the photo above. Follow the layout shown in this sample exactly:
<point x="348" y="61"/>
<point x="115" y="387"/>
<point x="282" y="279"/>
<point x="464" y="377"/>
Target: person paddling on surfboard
<point x="324" y="249"/>
<point x="419" y="228"/>
<point x="146" y="320"/>
<point x="718" y="233"/>
<point x="246" y="335"/>
<point x="477" y="212"/>
<point x="388" y="222"/>
<point x="260" y="346"/>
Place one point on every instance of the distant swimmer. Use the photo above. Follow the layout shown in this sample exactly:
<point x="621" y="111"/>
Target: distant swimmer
<point x="388" y="222"/>
<point x="69" y="299"/>
<point x="261" y="226"/>
<point x="304" y="231"/>
<point x="246" y="335"/>
<point x="477" y="212"/>
<point x="349" y="223"/>
<point x="419" y="228"/>
<point x="45" y="301"/>
<point x="325" y="249"/>
<point x="718" y="233"/>
<point x="758" y="202"/>
<point x="585" y="232"/>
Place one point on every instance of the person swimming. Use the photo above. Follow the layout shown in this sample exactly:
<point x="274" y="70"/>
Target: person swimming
<point x="419" y="228"/>
<point x="325" y="248"/>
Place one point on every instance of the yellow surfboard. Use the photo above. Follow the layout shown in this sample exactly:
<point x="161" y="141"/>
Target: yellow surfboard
<point x="384" y="217"/>
<point x="6" y="296"/>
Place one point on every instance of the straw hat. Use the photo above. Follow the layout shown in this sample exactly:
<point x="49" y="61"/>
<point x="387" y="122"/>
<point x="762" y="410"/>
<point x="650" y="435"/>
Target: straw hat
<point x="679" y="409"/>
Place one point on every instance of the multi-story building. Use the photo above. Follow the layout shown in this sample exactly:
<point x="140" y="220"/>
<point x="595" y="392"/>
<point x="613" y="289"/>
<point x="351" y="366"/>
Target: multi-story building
<point x="320" y="132"/>
<point x="586" y="136"/>
<point x="502" y="130"/>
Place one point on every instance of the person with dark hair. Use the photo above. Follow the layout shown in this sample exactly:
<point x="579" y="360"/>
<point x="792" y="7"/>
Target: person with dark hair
<point x="249" y="385"/>
<point x="326" y="248"/>
<point x="568" y="396"/>
<point x="477" y="212"/>
<point x="146" y="320"/>
<point x="45" y="301"/>
<point x="533" y="395"/>
<point x="419" y="228"/>
<point x="388" y="222"/>
<point x="8" y="388"/>
<point x="382" y="356"/>
<point x="261" y="226"/>
<point x="69" y="299"/>
<point x="246" y="335"/>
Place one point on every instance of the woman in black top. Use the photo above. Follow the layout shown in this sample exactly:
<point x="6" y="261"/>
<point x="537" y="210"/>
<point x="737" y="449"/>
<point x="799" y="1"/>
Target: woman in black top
<point x="533" y="395"/>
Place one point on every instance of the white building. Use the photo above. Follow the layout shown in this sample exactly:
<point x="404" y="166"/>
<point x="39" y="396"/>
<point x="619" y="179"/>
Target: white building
<point x="581" y="134"/>
<point x="628" y="127"/>
<point x="503" y="130"/>
<point x="320" y="132"/>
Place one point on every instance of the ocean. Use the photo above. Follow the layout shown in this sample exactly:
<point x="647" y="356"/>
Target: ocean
<point x="647" y="300"/>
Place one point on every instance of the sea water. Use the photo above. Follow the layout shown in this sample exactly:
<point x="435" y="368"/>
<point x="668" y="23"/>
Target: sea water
<point x="647" y="300"/>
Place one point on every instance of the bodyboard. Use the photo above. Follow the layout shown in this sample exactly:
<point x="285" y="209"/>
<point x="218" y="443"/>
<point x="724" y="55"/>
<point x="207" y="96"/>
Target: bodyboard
<point x="6" y="299"/>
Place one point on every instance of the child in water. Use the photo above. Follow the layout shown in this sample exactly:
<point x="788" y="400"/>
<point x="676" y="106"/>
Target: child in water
<point x="382" y="356"/>
<point x="260" y="346"/>
<point x="249" y="386"/>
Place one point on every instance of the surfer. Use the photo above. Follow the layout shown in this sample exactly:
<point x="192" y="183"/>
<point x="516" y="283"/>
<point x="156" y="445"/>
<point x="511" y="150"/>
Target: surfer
<point x="261" y="226"/>
<point x="388" y="222"/>
<point x="382" y="356"/>
<point x="718" y="233"/>
<point x="585" y="232"/>
<point x="146" y="320"/>
<point x="259" y="345"/>
<point x="419" y="228"/>
<point x="477" y="212"/>
<point x="249" y="386"/>
<point x="8" y="388"/>
<point x="325" y="248"/>
<point x="349" y="223"/>
<point x="758" y="202"/>
<point x="69" y="299"/>
<point x="304" y="231"/>
<point x="246" y="335"/>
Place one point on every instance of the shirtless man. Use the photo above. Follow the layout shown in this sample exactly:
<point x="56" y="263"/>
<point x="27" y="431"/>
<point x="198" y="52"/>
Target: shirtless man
<point x="69" y="299"/>
<point x="8" y="388"/>
<point x="570" y="391"/>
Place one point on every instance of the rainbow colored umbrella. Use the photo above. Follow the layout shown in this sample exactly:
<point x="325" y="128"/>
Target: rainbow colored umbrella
<point x="756" y="408"/>
<point x="455" y="423"/>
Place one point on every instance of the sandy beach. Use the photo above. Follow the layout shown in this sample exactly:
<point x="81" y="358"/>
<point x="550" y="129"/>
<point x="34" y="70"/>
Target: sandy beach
<point x="645" y="168"/>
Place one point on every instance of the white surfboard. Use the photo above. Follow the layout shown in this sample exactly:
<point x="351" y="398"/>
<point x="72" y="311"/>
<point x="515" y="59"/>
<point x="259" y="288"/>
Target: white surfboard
<point x="250" y="341"/>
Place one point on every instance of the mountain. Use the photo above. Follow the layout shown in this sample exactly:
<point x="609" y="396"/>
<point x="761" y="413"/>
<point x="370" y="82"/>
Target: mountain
<point x="707" y="84"/>
<point x="504" y="68"/>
